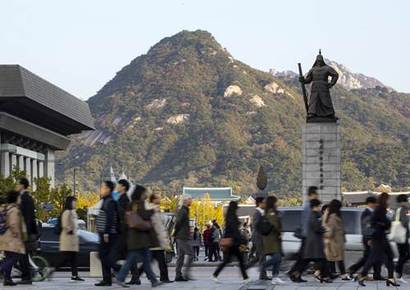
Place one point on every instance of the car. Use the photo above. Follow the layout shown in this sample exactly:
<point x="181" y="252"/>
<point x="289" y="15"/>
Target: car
<point x="291" y="219"/>
<point x="49" y="246"/>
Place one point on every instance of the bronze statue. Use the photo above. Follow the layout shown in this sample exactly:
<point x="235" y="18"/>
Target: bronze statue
<point x="319" y="106"/>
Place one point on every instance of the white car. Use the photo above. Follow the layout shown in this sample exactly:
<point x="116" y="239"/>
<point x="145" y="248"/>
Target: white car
<point x="291" y="221"/>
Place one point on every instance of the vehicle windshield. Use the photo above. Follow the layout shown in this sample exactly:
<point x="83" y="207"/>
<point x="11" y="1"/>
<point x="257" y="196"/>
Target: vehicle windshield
<point x="88" y="236"/>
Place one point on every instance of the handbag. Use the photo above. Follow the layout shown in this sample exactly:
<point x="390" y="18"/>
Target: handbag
<point x="398" y="233"/>
<point x="225" y="243"/>
<point x="135" y="221"/>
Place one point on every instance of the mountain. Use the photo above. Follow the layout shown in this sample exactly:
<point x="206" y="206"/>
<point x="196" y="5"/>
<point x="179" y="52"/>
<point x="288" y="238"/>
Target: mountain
<point x="189" y="113"/>
<point x="347" y="79"/>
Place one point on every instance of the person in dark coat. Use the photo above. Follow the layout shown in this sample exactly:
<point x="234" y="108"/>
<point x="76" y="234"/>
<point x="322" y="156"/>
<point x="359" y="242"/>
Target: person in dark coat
<point x="367" y="232"/>
<point x="107" y="224"/>
<point x="27" y="209"/>
<point x="295" y="273"/>
<point x="233" y="235"/>
<point x="380" y="250"/>
<point x="256" y="254"/>
<point x="314" y="249"/>
<point x="139" y="241"/>
<point x="403" y="248"/>
<point x="182" y="235"/>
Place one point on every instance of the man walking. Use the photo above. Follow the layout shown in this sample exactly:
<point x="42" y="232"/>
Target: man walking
<point x="295" y="273"/>
<point x="367" y="232"/>
<point x="107" y="224"/>
<point x="182" y="234"/>
<point x="257" y="241"/>
<point x="28" y="212"/>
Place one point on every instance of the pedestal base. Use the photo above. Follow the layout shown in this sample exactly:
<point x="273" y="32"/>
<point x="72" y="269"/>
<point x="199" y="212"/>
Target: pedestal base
<point x="321" y="159"/>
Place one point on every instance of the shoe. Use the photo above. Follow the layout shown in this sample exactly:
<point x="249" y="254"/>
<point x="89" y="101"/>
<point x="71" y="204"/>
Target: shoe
<point x="326" y="280"/>
<point x="392" y="282"/>
<point x="279" y="281"/>
<point x="9" y="283"/>
<point x="360" y="280"/>
<point x="102" y="284"/>
<point x="120" y="283"/>
<point x="134" y="281"/>
<point x="215" y="279"/>
<point x="264" y="277"/>
<point x="156" y="284"/>
<point x="345" y="277"/>
<point x="180" y="279"/>
<point x="77" y="278"/>
<point x="402" y="280"/>
<point x="246" y="281"/>
<point x="167" y="281"/>
<point x="25" y="282"/>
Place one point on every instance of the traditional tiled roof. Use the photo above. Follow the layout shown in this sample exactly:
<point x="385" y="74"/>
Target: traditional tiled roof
<point x="215" y="193"/>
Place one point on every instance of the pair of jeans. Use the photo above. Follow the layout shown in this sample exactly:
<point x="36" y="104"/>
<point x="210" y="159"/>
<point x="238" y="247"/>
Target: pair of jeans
<point x="141" y="255"/>
<point x="159" y="256"/>
<point x="403" y="257"/>
<point x="184" y="248"/>
<point x="71" y="259"/>
<point x="233" y="251"/>
<point x="7" y="264"/>
<point x="272" y="261"/>
<point x="107" y="253"/>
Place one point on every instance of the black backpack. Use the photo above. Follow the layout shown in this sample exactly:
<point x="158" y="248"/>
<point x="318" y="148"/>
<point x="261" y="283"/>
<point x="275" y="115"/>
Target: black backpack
<point x="264" y="227"/>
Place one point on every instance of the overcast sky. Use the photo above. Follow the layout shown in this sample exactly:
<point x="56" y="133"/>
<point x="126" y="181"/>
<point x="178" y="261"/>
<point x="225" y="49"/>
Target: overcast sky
<point x="81" y="44"/>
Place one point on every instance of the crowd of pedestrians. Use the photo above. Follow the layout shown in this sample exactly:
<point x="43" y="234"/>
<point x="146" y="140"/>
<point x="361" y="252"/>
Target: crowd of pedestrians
<point x="132" y="231"/>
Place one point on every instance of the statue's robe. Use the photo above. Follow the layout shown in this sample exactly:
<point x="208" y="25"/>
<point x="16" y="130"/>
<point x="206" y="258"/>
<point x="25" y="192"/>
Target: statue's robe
<point x="320" y="103"/>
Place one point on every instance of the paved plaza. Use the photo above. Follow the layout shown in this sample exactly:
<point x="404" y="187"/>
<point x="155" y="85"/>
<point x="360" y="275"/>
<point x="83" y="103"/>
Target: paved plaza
<point x="229" y="280"/>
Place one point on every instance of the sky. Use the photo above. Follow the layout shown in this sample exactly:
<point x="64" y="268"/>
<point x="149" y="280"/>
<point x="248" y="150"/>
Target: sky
<point x="79" y="45"/>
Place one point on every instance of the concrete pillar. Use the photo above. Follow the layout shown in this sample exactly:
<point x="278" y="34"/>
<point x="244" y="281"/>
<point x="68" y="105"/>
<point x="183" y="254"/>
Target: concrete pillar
<point x="20" y="163"/>
<point x="321" y="159"/>
<point x="5" y="163"/>
<point x="40" y="172"/>
<point x="13" y="161"/>
<point x="27" y="169"/>
<point x="34" y="173"/>
<point x="50" y="163"/>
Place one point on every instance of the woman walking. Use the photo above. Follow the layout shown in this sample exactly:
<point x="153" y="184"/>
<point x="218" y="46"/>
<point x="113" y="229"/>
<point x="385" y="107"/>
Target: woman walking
<point x="380" y="250"/>
<point x="13" y="237"/>
<point x="334" y="238"/>
<point x="272" y="242"/>
<point x="314" y="242"/>
<point x="403" y="248"/>
<point x="69" y="241"/>
<point x="231" y="242"/>
<point x="140" y="238"/>
<point x="196" y="243"/>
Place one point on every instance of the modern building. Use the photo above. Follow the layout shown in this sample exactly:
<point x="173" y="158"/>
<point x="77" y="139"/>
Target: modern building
<point x="216" y="194"/>
<point x="36" y="119"/>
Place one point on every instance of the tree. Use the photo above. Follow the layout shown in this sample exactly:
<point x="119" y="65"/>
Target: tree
<point x="262" y="179"/>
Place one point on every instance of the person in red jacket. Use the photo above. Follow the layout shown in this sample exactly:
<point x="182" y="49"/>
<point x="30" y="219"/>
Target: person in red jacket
<point x="207" y="236"/>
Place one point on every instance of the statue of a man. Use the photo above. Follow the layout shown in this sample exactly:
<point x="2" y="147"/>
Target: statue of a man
<point x="320" y="106"/>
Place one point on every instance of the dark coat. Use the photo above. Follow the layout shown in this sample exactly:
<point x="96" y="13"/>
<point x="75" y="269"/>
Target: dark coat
<point x="272" y="243"/>
<point x="257" y="239"/>
<point x="123" y="204"/>
<point x="138" y="239"/>
<point x="232" y="230"/>
<point x="314" y="247"/>
<point x="365" y="221"/>
<point x="182" y="231"/>
<point x="28" y="212"/>
<point x="380" y="223"/>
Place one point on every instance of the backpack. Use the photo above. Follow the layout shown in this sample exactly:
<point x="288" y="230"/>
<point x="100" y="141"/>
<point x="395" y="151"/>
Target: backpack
<point x="264" y="227"/>
<point x="3" y="221"/>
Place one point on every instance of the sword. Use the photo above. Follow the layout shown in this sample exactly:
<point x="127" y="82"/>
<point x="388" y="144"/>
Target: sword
<point x="305" y="98"/>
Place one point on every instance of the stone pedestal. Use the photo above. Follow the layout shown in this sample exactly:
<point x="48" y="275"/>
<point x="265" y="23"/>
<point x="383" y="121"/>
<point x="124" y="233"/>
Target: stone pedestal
<point x="321" y="159"/>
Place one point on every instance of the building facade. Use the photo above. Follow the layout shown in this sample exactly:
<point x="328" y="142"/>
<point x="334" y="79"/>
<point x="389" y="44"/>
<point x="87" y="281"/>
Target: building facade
<point x="36" y="119"/>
